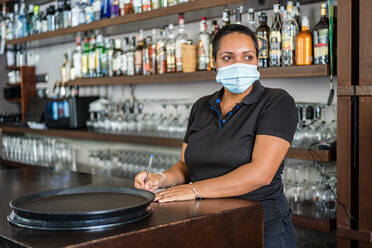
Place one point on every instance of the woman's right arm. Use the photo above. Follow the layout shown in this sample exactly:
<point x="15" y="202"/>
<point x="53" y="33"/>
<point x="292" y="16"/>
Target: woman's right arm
<point x="177" y="174"/>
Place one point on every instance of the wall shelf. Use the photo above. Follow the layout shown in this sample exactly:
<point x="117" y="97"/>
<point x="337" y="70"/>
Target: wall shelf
<point x="321" y="155"/>
<point x="198" y="76"/>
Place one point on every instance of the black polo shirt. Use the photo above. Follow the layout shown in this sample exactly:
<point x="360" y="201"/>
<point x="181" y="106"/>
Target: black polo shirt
<point x="217" y="145"/>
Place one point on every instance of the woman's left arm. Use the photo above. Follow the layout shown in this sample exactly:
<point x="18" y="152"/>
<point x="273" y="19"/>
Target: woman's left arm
<point x="268" y="153"/>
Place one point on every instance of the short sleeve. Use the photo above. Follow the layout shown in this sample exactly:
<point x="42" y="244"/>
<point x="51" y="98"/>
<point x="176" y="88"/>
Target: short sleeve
<point x="279" y="118"/>
<point x="190" y="121"/>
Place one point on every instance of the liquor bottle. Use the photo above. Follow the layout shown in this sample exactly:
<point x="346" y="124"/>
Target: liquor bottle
<point x="64" y="69"/>
<point x="76" y="57"/>
<point x="289" y="32"/>
<point x="251" y="20"/>
<point x="321" y="38"/>
<point x="96" y="5"/>
<point x="225" y="17"/>
<point x="72" y="75"/>
<point x="59" y="14"/>
<point x="110" y="58"/>
<point x="146" y="56"/>
<point x="152" y="52"/>
<point x="262" y="34"/>
<point x="216" y="28"/>
<point x="138" y="54"/>
<point x="137" y="6"/>
<point x="128" y="7"/>
<point x="21" y="22"/>
<point x="75" y="14"/>
<point x="155" y="4"/>
<point x="16" y="25"/>
<point x="172" y="2"/>
<point x="146" y="5"/>
<point x="3" y="25"/>
<point x="163" y="3"/>
<point x="104" y="57"/>
<point x="67" y="15"/>
<point x="105" y="9"/>
<point x="181" y="39"/>
<point x="161" y="56"/>
<point x="99" y="55"/>
<point x="203" y="45"/>
<point x="304" y="55"/>
<point x="51" y="18"/>
<point x="115" y="10"/>
<point x="124" y="61"/>
<point x="117" y="58"/>
<point x="29" y="23"/>
<point x="89" y="16"/>
<point x="85" y="58"/>
<point x="171" y="49"/>
<point x="130" y="57"/>
<point x="92" y="55"/>
<point x="297" y="11"/>
<point x="44" y="22"/>
<point x="36" y="21"/>
<point x="238" y="15"/>
<point x="276" y="38"/>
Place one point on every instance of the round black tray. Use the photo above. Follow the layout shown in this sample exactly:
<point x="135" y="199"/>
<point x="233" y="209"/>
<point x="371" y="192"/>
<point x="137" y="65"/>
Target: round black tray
<point x="81" y="208"/>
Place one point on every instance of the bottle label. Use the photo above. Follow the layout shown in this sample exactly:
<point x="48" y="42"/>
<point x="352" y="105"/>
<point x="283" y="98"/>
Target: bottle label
<point x="161" y="58"/>
<point x="203" y="53"/>
<point x="124" y="64"/>
<point x="263" y="48"/>
<point x="275" y="44"/>
<point x="138" y="60"/>
<point x="130" y="64"/>
<point x="287" y="40"/>
<point x="84" y="64"/>
<point x="321" y="46"/>
<point x="179" y="56"/>
<point x="171" y="58"/>
<point x="92" y="61"/>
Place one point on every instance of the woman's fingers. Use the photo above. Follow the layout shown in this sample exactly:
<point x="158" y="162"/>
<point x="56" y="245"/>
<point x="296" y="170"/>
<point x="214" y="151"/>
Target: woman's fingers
<point x="139" y="180"/>
<point x="178" y="193"/>
<point x="153" y="181"/>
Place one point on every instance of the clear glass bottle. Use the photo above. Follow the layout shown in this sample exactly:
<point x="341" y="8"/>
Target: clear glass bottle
<point x="15" y="21"/>
<point x="262" y="34"/>
<point x="138" y="54"/>
<point x="297" y="11"/>
<point x="21" y="22"/>
<point x="225" y="17"/>
<point x="124" y="61"/>
<point x="76" y="57"/>
<point x="163" y="3"/>
<point x="51" y="18"/>
<point x="289" y="32"/>
<point x="171" y="49"/>
<point x="110" y="58"/>
<point x="130" y="57"/>
<point x="146" y="5"/>
<point x="64" y="69"/>
<point x="59" y="14"/>
<point x="172" y="2"/>
<point x="203" y="46"/>
<point x="181" y="39"/>
<point x="29" y="24"/>
<point x="304" y="48"/>
<point x="161" y="55"/>
<point x="36" y="21"/>
<point x="99" y="55"/>
<point x="75" y="15"/>
<point x="85" y="58"/>
<point x="137" y="6"/>
<point x="104" y="57"/>
<point x="321" y="38"/>
<point x="82" y="13"/>
<point x="117" y="57"/>
<point x="146" y="56"/>
<point x="8" y="24"/>
<point x="67" y="14"/>
<point x="155" y="4"/>
<point x="276" y="38"/>
<point x="44" y="22"/>
<point x="251" y="20"/>
<point x="92" y="55"/>
<point x="96" y="5"/>
<point x="238" y="15"/>
<point x="152" y="52"/>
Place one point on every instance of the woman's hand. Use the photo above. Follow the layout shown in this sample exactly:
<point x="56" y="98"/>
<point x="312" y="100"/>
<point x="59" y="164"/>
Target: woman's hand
<point x="177" y="193"/>
<point x="155" y="181"/>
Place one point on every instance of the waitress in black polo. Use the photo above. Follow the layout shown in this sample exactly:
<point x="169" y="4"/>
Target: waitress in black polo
<point x="236" y="140"/>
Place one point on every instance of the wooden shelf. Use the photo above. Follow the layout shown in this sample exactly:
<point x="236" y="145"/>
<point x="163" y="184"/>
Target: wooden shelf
<point x="198" y="76"/>
<point x="323" y="225"/>
<point x="15" y="100"/>
<point x="191" y="6"/>
<point x="321" y="155"/>
<point x="12" y="164"/>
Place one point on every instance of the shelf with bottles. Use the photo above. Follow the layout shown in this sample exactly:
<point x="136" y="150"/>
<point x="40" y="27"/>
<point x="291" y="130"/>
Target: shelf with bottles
<point x="93" y="23"/>
<point x="322" y="155"/>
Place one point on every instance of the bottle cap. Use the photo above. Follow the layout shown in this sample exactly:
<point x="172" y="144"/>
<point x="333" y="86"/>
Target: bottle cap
<point x="305" y="21"/>
<point x="250" y="10"/>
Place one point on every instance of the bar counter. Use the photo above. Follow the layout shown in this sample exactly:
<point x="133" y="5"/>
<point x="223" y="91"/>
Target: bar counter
<point x="198" y="223"/>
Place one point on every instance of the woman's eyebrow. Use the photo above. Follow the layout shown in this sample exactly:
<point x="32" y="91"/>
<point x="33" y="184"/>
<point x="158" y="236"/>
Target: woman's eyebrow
<point x="226" y="52"/>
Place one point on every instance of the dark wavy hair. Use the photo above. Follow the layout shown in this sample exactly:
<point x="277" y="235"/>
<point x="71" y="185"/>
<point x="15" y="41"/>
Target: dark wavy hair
<point x="229" y="29"/>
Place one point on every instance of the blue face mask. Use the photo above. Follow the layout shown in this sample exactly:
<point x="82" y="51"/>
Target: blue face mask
<point x="237" y="77"/>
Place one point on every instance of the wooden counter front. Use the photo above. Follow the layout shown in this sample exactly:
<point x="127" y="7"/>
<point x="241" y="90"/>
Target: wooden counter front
<point x="205" y="223"/>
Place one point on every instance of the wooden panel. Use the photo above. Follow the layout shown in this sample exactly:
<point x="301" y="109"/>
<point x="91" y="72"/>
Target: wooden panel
<point x="319" y="155"/>
<point x="28" y="90"/>
<point x="198" y="76"/>
<point x="343" y="164"/>
<point x="344" y="51"/>
<point x="365" y="164"/>
<point x="365" y="41"/>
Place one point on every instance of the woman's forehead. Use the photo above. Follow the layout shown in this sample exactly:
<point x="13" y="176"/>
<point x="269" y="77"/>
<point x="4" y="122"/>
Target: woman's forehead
<point x="237" y="40"/>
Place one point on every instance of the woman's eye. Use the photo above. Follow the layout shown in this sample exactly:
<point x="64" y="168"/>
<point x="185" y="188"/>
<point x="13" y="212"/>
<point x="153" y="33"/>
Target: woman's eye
<point x="248" y="58"/>
<point x="226" y="58"/>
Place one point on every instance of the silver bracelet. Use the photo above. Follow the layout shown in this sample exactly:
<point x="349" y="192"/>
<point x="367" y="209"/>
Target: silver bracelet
<point x="164" y="178"/>
<point x="196" y="193"/>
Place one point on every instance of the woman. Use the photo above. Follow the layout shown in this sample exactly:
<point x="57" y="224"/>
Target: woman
<point x="236" y="140"/>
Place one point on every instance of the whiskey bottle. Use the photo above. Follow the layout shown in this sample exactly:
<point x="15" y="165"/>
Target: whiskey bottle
<point x="321" y="38"/>
<point x="138" y="53"/>
<point x="171" y="49"/>
<point x="276" y="38"/>
<point x="262" y="34"/>
<point x="181" y="38"/>
<point x="203" y="46"/>
<point x="289" y="32"/>
<point x="161" y="57"/>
